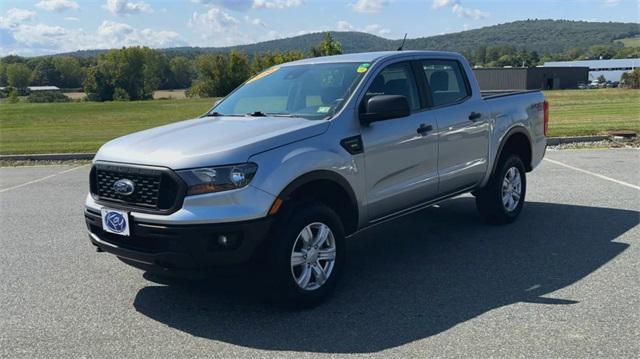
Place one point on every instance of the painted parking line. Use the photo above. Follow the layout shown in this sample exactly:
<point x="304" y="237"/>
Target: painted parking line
<point x="42" y="178"/>
<point x="593" y="174"/>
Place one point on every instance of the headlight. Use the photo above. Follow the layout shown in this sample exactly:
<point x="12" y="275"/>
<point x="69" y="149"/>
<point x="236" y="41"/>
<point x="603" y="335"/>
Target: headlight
<point x="217" y="179"/>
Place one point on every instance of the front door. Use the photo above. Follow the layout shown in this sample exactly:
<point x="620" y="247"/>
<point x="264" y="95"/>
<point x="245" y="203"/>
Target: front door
<point x="400" y="154"/>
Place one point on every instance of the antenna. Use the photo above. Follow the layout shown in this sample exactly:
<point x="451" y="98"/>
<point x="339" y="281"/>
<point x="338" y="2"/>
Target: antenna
<point x="403" y="40"/>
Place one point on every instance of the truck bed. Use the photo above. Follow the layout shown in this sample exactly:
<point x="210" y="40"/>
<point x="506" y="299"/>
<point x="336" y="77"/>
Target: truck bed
<point x="490" y="94"/>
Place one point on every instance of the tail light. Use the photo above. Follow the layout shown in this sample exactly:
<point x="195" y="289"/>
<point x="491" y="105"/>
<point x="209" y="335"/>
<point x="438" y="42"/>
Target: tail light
<point x="546" y="118"/>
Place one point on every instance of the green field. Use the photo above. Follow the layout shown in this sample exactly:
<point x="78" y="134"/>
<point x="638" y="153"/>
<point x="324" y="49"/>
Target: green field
<point x="84" y="126"/>
<point x="630" y="41"/>
<point x="590" y="112"/>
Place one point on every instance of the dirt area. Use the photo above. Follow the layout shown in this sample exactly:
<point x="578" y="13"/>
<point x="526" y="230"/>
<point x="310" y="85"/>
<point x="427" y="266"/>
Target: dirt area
<point x="169" y="94"/>
<point x="75" y="95"/>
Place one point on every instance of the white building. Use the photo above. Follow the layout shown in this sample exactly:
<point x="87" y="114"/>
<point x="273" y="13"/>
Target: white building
<point x="612" y="70"/>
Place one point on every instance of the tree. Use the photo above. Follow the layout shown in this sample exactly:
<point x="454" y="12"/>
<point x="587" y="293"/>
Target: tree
<point x="182" y="72"/>
<point x="18" y="75"/>
<point x="327" y="47"/>
<point x="44" y="72"/>
<point x="631" y="79"/>
<point x="136" y="70"/>
<point x="70" y="71"/>
<point x="220" y="74"/>
<point x="13" y="96"/>
<point x="3" y="74"/>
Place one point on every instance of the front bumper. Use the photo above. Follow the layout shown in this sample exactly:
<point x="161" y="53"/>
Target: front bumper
<point x="180" y="247"/>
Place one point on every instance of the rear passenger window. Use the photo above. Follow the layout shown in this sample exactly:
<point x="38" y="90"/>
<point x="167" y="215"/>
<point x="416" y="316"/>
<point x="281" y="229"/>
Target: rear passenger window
<point x="396" y="79"/>
<point x="446" y="81"/>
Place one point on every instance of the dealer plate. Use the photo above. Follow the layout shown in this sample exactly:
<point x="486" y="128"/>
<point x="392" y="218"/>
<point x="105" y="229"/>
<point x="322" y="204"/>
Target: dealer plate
<point x="116" y="222"/>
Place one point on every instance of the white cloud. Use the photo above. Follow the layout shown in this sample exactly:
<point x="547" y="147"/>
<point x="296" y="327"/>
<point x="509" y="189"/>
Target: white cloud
<point x="14" y="17"/>
<point x="276" y="4"/>
<point x="38" y="34"/>
<point x="439" y="4"/>
<point x="236" y="5"/>
<point x="470" y="13"/>
<point x="114" y="34"/>
<point x="39" y="39"/>
<point x="125" y="7"/>
<point x="255" y="21"/>
<point x="375" y="29"/>
<point x="369" y="6"/>
<point x="71" y="18"/>
<point x="214" y="20"/>
<point x="459" y="10"/>
<point x="58" y="5"/>
<point x="611" y="2"/>
<point x="244" y="5"/>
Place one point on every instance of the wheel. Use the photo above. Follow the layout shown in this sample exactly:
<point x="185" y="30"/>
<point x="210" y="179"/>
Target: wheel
<point x="501" y="201"/>
<point x="306" y="255"/>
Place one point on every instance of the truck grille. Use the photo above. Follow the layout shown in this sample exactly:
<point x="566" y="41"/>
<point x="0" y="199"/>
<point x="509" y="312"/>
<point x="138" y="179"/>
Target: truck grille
<point x="156" y="189"/>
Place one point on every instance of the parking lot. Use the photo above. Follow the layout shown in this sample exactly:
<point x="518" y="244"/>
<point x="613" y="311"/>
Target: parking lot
<point x="563" y="281"/>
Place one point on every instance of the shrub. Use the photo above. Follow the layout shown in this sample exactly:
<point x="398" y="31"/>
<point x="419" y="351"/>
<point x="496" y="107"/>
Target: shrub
<point x="47" y="96"/>
<point x="13" y="96"/>
<point x="120" y="94"/>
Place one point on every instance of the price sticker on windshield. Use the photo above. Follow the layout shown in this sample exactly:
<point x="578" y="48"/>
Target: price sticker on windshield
<point x="264" y="73"/>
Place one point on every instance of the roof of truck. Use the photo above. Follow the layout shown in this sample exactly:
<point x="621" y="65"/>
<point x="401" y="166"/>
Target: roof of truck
<point x="366" y="57"/>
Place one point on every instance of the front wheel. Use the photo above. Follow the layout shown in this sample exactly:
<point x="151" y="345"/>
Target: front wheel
<point x="501" y="201"/>
<point x="307" y="255"/>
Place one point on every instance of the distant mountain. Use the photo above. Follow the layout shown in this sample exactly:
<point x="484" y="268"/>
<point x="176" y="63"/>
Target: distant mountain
<point x="543" y="36"/>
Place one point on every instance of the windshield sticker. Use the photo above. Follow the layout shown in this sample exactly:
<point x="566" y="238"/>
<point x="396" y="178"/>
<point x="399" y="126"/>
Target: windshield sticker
<point x="324" y="109"/>
<point x="264" y="73"/>
<point x="363" y="68"/>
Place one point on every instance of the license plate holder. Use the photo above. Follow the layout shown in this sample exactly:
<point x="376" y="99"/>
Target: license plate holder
<point x="115" y="221"/>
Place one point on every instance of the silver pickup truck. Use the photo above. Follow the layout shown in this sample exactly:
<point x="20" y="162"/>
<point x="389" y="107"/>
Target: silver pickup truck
<point x="307" y="154"/>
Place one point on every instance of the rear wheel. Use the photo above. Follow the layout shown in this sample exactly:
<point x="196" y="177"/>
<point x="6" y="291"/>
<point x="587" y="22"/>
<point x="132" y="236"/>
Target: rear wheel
<point x="502" y="199"/>
<point x="307" y="255"/>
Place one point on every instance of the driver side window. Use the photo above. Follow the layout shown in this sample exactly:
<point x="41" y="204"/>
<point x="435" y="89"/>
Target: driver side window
<point x="395" y="79"/>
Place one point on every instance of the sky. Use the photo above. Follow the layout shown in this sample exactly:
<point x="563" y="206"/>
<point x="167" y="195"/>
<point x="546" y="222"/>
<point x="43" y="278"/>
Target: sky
<point x="40" y="27"/>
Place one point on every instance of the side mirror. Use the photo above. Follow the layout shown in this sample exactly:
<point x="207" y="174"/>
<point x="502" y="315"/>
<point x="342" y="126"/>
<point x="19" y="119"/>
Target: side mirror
<point x="385" y="107"/>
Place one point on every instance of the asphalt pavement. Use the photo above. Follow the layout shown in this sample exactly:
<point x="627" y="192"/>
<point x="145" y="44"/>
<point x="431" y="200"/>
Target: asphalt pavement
<point x="563" y="281"/>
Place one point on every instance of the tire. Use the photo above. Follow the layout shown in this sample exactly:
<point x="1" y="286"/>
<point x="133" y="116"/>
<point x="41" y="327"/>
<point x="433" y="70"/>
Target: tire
<point x="494" y="204"/>
<point x="290" y="286"/>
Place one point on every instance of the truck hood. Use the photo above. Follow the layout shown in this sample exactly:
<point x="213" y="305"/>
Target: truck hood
<point x="208" y="141"/>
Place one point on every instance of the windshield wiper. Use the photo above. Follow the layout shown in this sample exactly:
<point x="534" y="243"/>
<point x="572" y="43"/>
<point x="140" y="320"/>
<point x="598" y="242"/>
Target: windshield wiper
<point x="218" y="114"/>
<point x="273" y="114"/>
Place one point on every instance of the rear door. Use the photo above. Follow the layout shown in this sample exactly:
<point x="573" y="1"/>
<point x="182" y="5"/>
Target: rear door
<point x="400" y="154"/>
<point x="463" y="137"/>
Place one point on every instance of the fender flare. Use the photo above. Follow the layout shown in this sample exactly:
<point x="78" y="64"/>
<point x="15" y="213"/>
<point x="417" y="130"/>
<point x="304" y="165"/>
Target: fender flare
<point x="319" y="175"/>
<point x="327" y="176"/>
<point x="505" y="139"/>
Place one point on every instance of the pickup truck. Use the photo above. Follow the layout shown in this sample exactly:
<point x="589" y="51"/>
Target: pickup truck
<point x="304" y="156"/>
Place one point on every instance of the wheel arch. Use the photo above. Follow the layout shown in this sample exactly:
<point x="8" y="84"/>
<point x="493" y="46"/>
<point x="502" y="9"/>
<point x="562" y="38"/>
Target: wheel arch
<point x="329" y="188"/>
<point x="517" y="141"/>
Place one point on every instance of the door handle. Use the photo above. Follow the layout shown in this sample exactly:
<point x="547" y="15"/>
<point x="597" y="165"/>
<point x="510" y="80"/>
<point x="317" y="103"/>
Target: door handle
<point x="475" y="116"/>
<point x="424" y="129"/>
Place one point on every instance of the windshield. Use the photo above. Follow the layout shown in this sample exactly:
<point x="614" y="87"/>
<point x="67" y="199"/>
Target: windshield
<point x="313" y="91"/>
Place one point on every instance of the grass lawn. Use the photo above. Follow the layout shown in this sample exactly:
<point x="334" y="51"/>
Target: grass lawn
<point x="630" y="41"/>
<point x="589" y="112"/>
<point x="84" y="126"/>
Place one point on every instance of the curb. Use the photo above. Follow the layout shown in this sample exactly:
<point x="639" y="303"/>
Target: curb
<point x="48" y="157"/>
<point x="554" y="141"/>
<point x="551" y="141"/>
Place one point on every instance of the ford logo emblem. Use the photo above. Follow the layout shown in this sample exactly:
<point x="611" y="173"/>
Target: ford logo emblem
<point x="124" y="187"/>
<point x="115" y="221"/>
